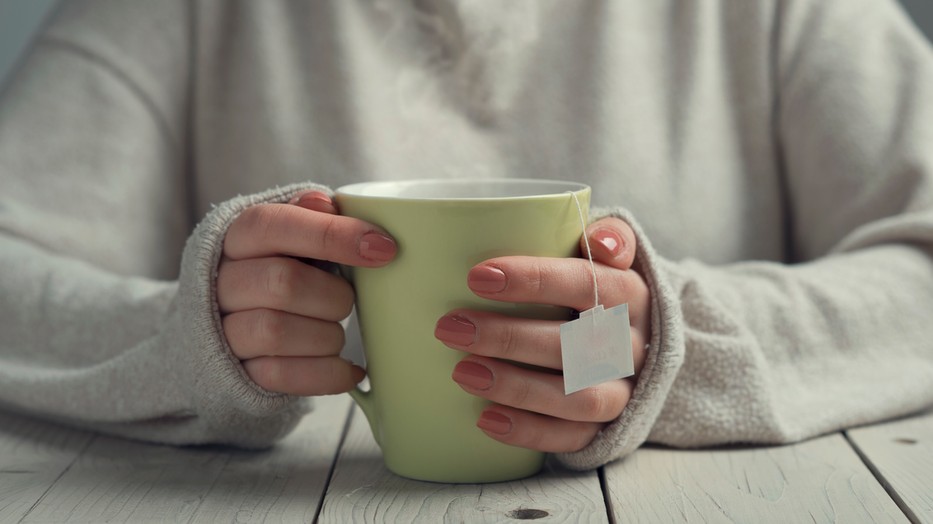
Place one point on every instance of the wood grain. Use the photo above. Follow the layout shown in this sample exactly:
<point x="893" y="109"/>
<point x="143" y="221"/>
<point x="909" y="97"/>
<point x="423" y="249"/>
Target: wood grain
<point x="286" y="483"/>
<point x="118" y="480"/>
<point x="33" y="455"/>
<point x="821" y="480"/>
<point x="901" y="455"/>
<point x="363" y="490"/>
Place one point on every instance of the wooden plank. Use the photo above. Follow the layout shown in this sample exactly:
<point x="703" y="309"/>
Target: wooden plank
<point x="900" y="453"/>
<point x="286" y="483"/>
<point x="33" y="455"/>
<point x="363" y="490"/>
<point x="820" y="480"/>
<point x="118" y="480"/>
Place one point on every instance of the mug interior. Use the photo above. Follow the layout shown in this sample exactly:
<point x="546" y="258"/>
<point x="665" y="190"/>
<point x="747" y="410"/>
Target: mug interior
<point x="460" y="189"/>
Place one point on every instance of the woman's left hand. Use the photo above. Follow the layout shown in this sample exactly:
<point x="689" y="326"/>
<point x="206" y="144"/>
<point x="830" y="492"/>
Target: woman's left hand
<point x="529" y="407"/>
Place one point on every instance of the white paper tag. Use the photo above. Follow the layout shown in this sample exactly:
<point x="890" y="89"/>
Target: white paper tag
<point x="596" y="348"/>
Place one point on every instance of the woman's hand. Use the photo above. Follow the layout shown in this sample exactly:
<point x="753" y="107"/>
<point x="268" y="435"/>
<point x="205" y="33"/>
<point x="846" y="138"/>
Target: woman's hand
<point x="281" y="315"/>
<point x="529" y="406"/>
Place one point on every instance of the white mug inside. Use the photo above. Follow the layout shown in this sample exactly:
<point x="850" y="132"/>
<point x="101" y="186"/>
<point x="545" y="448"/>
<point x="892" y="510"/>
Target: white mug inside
<point x="461" y="189"/>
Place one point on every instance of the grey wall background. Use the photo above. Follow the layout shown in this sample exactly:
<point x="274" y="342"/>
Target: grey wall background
<point x="922" y="11"/>
<point x="18" y="21"/>
<point x="20" y="18"/>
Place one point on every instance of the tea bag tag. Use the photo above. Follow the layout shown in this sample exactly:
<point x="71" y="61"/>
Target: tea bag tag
<point x="596" y="347"/>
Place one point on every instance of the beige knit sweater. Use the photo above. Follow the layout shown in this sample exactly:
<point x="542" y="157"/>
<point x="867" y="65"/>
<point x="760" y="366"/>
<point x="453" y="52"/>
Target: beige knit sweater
<point x="775" y="156"/>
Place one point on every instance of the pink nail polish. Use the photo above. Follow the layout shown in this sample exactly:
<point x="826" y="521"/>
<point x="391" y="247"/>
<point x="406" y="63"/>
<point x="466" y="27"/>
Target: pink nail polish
<point x="304" y="199"/>
<point x="487" y="279"/>
<point x="320" y="198"/>
<point x="377" y="247"/>
<point x="455" y="330"/>
<point x="495" y="422"/>
<point x="472" y="375"/>
<point x="609" y="240"/>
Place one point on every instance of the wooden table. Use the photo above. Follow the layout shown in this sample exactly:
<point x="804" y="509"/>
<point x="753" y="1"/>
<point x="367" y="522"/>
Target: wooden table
<point x="329" y="470"/>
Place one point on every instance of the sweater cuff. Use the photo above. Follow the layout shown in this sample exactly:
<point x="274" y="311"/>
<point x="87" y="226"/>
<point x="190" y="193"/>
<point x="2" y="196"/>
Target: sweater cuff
<point x="232" y="408"/>
<point x="630" y="430"/>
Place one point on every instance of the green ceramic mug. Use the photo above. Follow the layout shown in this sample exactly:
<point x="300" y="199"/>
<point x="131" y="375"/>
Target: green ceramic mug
<point x="423" y="421"/>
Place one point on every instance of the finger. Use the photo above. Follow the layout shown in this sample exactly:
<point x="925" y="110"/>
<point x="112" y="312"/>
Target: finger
<point x="304" y="375"/>
<point x="268" y="332"/>
<point x="283" y="284"/>
<point x="534" y="431"/>
<point x="280" y="229"/>
<point x="564" y="282"/>
<point x="639" y="350"/>
<point x="315" y="201"/>
<point x="611" y="241"/>
<point x="543" y="393"/>
<point x="530" y="341"/>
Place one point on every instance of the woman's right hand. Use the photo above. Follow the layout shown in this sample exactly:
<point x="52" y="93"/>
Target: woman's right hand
<point x="281" y="316"/>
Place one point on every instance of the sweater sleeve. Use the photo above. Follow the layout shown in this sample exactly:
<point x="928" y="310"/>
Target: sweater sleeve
<point x="770" y="352"/>
<point x="98" y="326"/>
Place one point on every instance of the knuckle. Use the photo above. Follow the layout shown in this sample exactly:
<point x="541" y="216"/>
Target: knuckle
<point x="505" y="341"/>
<point x="538" y="279"/>
<point x="592" y="404"/>
<point x="618" y="280"/>
<point x="269" y="330"/>
<point x="281" y="278"/>
<point x="624" y="286"/>
<point x="329" y="234"/>
<point x="520" y="393"/>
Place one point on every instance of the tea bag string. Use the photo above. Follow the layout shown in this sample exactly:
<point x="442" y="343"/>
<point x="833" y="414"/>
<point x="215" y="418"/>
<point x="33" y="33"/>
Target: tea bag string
<point x="589" y="253"/>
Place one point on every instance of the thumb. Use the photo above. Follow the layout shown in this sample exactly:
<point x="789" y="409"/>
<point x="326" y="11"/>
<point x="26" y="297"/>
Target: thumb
<point x="315" y="201"/>
<point x="612" y="242"/>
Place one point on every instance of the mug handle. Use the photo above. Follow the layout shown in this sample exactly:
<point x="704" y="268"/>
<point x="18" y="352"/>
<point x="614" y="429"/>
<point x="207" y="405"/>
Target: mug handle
<point x="364" y="399"/>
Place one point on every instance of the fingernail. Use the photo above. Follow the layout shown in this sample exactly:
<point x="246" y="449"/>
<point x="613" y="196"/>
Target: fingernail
<point x="310" y="196"/>
<point x="455" y="330"/>
<point x="609" y="240"/>
<point x="378" y="247"/>
<point x="472" y="375"/>
<point x="486" y="279"/>
<point x="494" y="422"/>
<point x="314" y="196"/>
<point x="358" y="374"/>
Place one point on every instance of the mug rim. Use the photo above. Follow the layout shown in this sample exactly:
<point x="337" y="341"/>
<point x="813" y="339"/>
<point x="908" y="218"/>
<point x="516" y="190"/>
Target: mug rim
<point x="561" y="187"/>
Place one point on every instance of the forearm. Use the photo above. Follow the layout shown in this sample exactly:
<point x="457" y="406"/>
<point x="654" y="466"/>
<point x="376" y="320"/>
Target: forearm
<point x="66" y="324"/>
<point x="129" y="355"/>
<point x="778" y="353"/>
<point x="763" y="352"/>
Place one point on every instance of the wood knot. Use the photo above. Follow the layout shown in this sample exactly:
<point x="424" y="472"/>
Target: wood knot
<point x="527" y="514"/>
